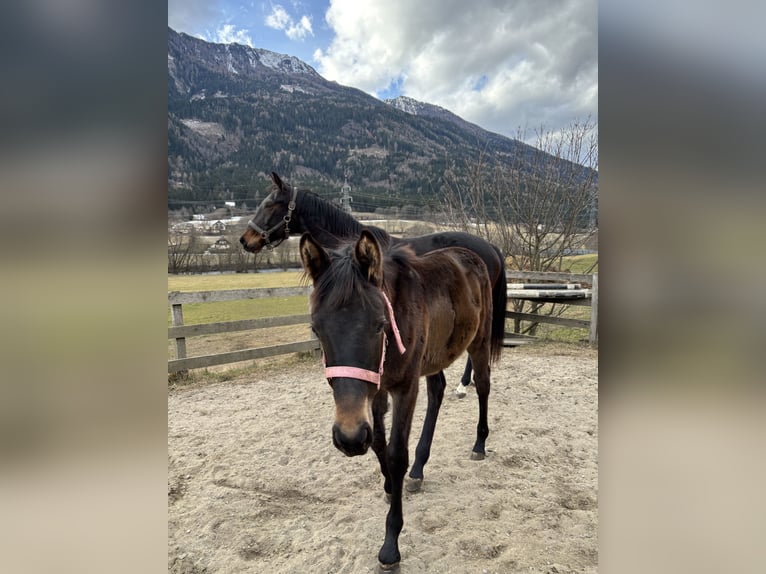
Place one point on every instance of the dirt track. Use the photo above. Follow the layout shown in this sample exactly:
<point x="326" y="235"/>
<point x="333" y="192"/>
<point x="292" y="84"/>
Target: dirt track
<point x="255" y="484"/>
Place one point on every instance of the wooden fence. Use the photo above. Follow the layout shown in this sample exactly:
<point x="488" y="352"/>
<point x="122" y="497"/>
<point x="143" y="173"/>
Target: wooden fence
<point x="574" y="296"/>
<point x="179" y="332"/>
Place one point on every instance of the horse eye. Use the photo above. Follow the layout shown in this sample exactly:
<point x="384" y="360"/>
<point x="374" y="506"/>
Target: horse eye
<point x="380" y="326"/>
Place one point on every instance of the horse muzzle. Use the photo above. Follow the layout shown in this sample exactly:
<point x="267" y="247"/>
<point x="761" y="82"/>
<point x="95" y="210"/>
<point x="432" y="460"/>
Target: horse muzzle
<point x="251" y="242"/>
<point x="355" y="443"/>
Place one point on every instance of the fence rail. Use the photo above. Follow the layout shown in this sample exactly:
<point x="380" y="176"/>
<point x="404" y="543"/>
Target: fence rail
<point x="232" y="326"/>
<point x="572" y="296"/>
<point x="243" y="355"/>
<point x="552" y="276"/>
<point x="179" y="332"/>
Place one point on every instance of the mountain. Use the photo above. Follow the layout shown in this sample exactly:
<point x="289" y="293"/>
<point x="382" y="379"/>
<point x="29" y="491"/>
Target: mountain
<point x="416" y="108"/>
<point x="237" y="113"/>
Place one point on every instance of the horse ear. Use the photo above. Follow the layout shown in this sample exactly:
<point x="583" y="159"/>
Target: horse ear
<point x="313" y="256"/>
<point x="368" y="255"/>
<point x="283" y="186"/>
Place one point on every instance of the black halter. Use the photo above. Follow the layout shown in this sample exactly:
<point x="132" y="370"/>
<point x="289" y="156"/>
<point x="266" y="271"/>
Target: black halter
<point x="286" y="220"/>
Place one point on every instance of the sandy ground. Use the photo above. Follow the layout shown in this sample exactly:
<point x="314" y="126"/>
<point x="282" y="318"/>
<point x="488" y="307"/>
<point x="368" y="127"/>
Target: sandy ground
<point x="255" y="484"/>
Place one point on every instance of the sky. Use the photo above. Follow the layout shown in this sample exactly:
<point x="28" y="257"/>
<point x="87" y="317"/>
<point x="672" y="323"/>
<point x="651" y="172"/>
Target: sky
<point x="504" y="65"/>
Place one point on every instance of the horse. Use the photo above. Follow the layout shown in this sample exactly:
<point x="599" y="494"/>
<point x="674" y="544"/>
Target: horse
<point x="288" y="209"/>
<point x="434" y="306"/>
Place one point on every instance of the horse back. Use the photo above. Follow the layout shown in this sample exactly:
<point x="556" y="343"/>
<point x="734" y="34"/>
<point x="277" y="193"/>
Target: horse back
<point x="434" y="241"/>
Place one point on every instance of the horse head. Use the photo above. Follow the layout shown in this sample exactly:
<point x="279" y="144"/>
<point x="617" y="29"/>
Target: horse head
<point x="270" y="224"/>
<point x="349" y="315"/>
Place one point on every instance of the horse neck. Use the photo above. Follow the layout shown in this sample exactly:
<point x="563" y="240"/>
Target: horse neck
<point x="324" y="221"/>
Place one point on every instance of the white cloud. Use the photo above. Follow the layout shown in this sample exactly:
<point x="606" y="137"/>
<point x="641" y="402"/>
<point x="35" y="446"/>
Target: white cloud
<point x="279" y="19"/>
<point x="301" y="29"/>
<point x="228" y="34"/>
<point x="499" y="64"/>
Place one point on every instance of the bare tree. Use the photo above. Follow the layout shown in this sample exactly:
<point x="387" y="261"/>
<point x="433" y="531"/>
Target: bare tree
<point x="181" y="249"/>
<point x="538" y="205"/>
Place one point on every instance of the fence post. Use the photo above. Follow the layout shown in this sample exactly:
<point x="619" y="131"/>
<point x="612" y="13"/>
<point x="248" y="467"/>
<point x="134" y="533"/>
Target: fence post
<point x="593" y="335"/>
<point x="316" y="353"/>
<point x="177" y="315"/>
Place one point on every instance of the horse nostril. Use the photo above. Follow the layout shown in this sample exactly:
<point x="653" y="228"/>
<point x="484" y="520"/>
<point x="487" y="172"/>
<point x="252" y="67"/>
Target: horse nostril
<point x="242" y="241"/>
<point x="352" y="445"/>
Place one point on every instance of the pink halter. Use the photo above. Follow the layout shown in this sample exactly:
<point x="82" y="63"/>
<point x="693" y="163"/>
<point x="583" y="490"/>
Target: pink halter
<point x="364" y="374"/>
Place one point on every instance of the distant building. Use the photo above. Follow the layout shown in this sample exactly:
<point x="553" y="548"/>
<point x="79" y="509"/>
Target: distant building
<point x="221" y="245"/>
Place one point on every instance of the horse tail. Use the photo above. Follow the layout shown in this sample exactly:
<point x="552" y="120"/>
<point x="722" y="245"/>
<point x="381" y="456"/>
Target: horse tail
<point x="499" y="302"/>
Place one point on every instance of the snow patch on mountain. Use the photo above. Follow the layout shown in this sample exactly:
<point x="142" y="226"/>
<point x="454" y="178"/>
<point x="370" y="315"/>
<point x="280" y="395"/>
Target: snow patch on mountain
<point x="230" y="61"/>
<point x="283" y="63"/>
<point x="293" y="88"/>
<point x="410" y="105"/>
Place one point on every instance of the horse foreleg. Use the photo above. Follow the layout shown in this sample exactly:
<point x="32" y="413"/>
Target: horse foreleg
<point x="436" y="385"/>
<point x="379" y="409"/>
<point x="481" y="376"/>
<point x="397" y="457"/>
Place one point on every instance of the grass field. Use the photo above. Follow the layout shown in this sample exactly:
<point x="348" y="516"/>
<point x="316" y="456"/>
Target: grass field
<point x="196" y="313"/>
<point x="581" y="263"/>
<point x="564" y="334"/>
<point x="234" y="281"/>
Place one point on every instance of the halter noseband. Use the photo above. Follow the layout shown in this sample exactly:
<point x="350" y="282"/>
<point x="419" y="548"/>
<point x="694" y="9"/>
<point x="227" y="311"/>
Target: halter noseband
<point x="265" y="234"/>
<point x="364" y="374"/>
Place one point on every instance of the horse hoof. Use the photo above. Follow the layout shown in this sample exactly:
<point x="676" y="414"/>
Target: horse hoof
<point x="414" y="484"/>
<point x="477" y="456"/>
<point x="388" y="568"/>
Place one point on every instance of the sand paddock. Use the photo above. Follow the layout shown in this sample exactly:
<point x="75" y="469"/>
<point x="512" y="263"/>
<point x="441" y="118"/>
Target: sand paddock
<point x="255" y="484"/>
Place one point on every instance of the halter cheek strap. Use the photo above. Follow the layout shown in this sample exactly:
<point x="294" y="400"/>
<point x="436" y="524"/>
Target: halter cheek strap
<point x="266" y="233"/>
<point x="364" y="374"/>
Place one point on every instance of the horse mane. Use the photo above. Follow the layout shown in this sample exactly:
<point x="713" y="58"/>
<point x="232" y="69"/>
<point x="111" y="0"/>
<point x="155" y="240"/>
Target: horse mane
<point x="343" y="280"/>
<point x="334" y="220"/>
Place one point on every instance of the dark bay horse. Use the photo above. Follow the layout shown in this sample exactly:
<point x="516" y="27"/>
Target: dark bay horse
<point x="433" y="307"/>
<point x="289" y="210"/>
